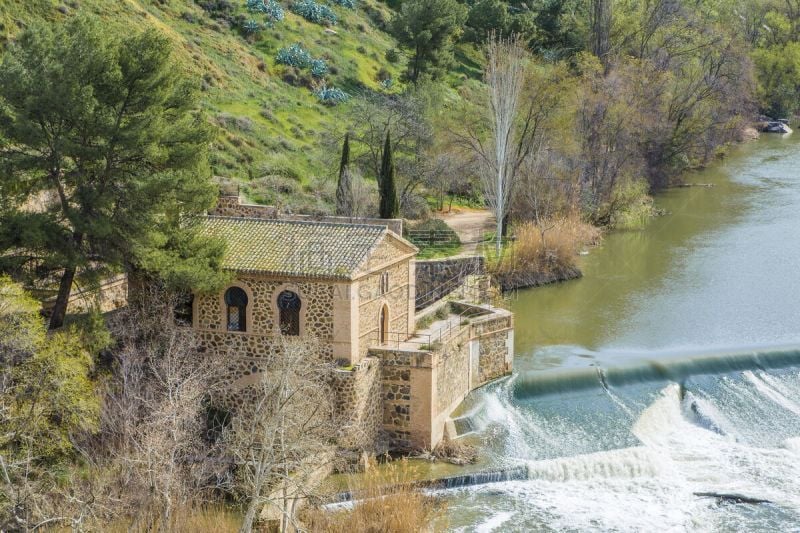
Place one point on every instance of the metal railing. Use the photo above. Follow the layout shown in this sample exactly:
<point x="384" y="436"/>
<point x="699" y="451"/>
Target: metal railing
<point x="454" y="325"/>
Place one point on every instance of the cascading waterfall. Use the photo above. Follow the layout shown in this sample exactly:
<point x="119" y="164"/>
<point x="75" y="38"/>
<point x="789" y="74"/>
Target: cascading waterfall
<point x="705" y="451"/>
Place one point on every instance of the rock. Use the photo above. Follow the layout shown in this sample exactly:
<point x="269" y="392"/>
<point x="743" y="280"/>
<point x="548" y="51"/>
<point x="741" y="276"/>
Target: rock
<point x="775" y="126"/>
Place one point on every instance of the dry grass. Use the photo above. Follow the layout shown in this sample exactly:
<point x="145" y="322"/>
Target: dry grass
<point x="386" y="502"/>
<point x="547" y="248"/>
<point x="456" y="452"/>
<point x="193" y="520"/>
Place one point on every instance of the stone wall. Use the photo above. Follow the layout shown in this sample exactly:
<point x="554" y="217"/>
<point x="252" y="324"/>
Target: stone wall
<point x="421" y="388"/>
<point x="453" y="372"/>
<point x="359" y="407"/>
<point x="437" y="278"/>
<point x="371" y="301"/>
<point x="495" y="339"/>
<point x="230" y="206"/>
<point x="357" y="395"/>
<point x="316" y="313"/>
<point x="396" y="396"/>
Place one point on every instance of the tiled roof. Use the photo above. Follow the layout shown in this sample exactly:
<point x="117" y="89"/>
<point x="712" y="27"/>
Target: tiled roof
<point x="294" y="248"/>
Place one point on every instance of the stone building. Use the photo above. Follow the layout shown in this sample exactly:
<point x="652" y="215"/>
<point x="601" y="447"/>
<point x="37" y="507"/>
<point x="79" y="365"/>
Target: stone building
<point x="350" y="284"/>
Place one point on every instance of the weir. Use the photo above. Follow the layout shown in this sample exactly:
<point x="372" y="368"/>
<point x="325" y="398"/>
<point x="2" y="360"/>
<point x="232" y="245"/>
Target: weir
<point x="669" y="369"/>
<point x="498" y="475"/>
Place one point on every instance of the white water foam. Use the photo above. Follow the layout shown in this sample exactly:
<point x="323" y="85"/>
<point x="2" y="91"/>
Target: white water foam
<point x="494" y="522"/>
<point x="772" y="393"/>
<point x="626" y="463"/>
<point x="654" y="486"/>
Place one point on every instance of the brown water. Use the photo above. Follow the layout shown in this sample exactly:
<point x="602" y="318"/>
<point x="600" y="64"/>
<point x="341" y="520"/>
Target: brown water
<point x="720" y="270"/>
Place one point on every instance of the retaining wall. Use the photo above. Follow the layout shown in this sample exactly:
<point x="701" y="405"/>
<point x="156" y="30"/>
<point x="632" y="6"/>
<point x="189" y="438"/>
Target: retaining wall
<point x="437" y="278"/>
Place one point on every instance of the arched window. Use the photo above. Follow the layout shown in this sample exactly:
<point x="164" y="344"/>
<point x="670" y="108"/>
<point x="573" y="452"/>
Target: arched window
<point x="236" y="302"/>
<point x="289" y="304"/>
<point x="384" y="283"/>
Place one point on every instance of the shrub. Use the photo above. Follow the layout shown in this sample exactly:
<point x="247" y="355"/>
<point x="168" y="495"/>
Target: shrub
<point x="226" y="120"/>
<point x="433" y="232"/>
<point x="217" y="8"/>
<point x="331" y="95"/>
<point x="314" y="12"/>
<point x="392" y="55"/>
<point x="251" y="27"/>
<point x="361" y="50"/>
<point x="349" y="4"/>
<point x="294" y="56"/>
<point x="271" y="9"/>
<point x="387" y="84"/>
<point x="383" y="74"/>
<point x="546" y="251"/>
<point x="319" y="68"/>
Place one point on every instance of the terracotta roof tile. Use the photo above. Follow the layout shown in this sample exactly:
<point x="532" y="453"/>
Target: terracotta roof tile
<point x="294" y="248"/>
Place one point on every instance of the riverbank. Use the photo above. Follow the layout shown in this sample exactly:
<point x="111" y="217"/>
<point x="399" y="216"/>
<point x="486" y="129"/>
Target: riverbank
<point x="638" y="448"/>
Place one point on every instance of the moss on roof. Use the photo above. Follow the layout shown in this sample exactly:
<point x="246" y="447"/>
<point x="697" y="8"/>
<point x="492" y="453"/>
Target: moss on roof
<point x="294" y="248"/>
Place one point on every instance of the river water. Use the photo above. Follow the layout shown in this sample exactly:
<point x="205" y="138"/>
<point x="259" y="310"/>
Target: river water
<point x="661" y="392"/>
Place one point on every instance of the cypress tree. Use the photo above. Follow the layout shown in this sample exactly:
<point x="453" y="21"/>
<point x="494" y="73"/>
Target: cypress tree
<point x="344" y="188"/>
<point x="389" y="206"/>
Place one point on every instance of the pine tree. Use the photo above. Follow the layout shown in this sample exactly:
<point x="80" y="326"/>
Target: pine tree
<point x="344" y="188"/>
<point x="109" y="128"/>
<point x="389" y="206"/>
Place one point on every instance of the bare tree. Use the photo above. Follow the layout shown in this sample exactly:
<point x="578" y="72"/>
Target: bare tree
<point x="154" y="417"/>
<point x="505" y="78"/>
<point x="280" y="441"/>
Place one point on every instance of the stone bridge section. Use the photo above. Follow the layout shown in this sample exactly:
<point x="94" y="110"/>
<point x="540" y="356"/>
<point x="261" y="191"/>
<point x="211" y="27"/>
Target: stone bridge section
<point x="423" y="384"/>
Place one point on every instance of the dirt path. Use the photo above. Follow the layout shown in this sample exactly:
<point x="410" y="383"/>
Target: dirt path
<point x="470" y="225"/>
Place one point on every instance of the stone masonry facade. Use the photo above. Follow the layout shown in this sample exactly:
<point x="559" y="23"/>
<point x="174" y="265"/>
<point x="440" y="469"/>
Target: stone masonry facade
<point x="421" y="388"/>
<point x="386" y="394"/>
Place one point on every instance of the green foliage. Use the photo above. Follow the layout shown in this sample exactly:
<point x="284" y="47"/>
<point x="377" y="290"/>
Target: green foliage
<point x="486" y="16"/>
<point x="294" y="56"/>
<point x="331" y="95"/>
<point x="272" y="10"/>
<point x="298" y="57"/>
<point x="344" y="187"/>
<point x="319" y="68"/>
<point x="434" y="238"/>
<point x="349" y="4"/>
<point x="389" y="205"/>
<point x="429" y="28"/>
<point x="314" y="12"/>
<point x="46" y="394"/>
<point x="110" y="125"/>
<point x="779" y="78"/>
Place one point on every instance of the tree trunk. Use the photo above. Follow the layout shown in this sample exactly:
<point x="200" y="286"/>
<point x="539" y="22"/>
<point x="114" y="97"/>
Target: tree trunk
<point x="249" y="517"/>
<point x="64" y="290"/>
<point x="601" y="31"/>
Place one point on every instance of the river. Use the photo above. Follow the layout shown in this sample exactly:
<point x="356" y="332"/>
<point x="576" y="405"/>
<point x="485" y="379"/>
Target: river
<point x="660" y="392"/>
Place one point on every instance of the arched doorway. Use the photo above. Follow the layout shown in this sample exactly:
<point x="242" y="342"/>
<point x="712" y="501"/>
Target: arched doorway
<point x="383" y="327"/>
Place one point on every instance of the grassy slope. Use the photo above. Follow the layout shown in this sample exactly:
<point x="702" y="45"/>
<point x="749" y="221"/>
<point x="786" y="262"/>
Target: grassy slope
<point x="266" y="126"/>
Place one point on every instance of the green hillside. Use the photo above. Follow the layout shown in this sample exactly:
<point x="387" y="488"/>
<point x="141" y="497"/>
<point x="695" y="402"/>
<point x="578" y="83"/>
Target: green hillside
<point x="270" y="121"/>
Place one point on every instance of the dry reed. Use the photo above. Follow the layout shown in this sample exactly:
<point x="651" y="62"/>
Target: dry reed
<point x="386" y="501"/>
<point x="548" y="247"/>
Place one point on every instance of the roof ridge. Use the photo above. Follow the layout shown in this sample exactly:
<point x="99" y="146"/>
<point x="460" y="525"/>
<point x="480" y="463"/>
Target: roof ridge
<point x="378" y="227"/>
